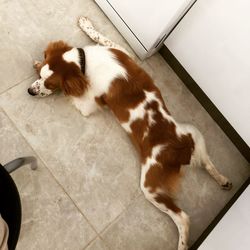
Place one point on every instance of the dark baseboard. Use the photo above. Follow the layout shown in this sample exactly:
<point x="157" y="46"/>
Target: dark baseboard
<point x="206" y="102"/>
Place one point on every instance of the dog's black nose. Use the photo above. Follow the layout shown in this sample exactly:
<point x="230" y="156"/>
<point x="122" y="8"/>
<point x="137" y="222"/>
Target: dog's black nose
<point x="31" y="92"/>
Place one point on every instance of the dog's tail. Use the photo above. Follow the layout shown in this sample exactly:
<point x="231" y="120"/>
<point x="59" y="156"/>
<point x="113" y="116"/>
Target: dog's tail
<point x="87" y="27"/>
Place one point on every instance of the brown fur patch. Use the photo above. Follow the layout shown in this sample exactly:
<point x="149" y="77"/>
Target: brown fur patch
<point x="74" y="85"/>
<point x="127" y="94"/>
<point x="100" y="100"/>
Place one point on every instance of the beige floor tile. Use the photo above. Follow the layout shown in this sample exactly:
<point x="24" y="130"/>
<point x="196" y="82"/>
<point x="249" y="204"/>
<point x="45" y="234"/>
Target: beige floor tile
<point x="92" y="158"/>
<point x="49" y="218"/>
<point x="142" y="226"/>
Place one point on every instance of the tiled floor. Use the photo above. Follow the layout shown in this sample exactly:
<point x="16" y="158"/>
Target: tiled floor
<point x="85" y="193"/>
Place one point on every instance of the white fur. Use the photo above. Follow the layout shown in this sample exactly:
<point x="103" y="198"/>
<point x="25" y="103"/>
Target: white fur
<point x="151" y="120"/>
<point x="164" y="113"/>
<point x="72" y="56"/>
<point x="38" y="86"/>
<point x="102" y="68"/>
<point x="182" y="222"/>
<point x="85" y="104"/>
<point x="150" y="96"/>
<point x="45" y="72"/>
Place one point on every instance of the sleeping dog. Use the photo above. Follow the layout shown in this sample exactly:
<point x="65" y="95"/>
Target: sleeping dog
<point x="97" y="76"/>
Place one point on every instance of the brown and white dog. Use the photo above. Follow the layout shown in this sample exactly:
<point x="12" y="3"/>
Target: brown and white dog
<point x="105" y="75"/>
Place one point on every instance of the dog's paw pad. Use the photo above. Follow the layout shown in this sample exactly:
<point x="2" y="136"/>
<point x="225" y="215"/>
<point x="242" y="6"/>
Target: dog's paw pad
<point x="85" y="23"/>
<point x="227" y="186"/>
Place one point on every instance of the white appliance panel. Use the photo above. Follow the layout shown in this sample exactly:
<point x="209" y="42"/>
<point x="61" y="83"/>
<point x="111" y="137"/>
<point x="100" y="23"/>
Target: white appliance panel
<point x="144" y="23"/>
<point x="150" y="19"/>
<point x="212" y="43"/>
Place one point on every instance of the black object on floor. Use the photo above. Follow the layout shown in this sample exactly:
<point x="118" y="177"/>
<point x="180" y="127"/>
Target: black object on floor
<point x="10" y="204"/>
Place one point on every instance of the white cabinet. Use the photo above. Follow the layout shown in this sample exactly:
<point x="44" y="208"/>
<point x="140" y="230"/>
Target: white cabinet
<point x="212" y="42"/>
<point x="144" y="23"/>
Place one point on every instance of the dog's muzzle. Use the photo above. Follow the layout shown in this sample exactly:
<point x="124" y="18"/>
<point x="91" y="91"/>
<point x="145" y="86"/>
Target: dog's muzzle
<point x="37" y="88"/>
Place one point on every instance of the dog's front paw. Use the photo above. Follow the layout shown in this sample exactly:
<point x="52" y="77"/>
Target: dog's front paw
<point x="226" y="184"/>
<point x="84" y="110"/>
<point x="36" y="64"/>
<point x="85" y="23"/>
<point x="85" y="113"/>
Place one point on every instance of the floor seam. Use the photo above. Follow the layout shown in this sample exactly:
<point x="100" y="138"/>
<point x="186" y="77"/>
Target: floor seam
<point x="45" y="164"/>
<point x="120" y="214"/>
<point x="104" y="242"/>
<point x="13" y="86"/>
<point x="117" y="218"/>
<point x="90" y="242"/>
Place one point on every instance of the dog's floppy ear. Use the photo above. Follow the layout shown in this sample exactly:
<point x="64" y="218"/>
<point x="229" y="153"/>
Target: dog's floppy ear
<point x="75" y="85"/>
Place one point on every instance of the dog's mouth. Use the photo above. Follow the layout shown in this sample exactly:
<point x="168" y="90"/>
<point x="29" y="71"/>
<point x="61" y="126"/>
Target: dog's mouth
<point x="33" y="92"/>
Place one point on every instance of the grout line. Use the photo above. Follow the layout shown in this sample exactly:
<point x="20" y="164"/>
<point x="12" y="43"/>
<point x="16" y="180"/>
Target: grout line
<point x="112" y="222"/>
<point x="13" y="86"/>
<point x="44" y="163"/>
<point x="117" y="218"/>
<point x="97" y="236"/>
<point x="104" y="242"/>
<point x="119" y="215"/>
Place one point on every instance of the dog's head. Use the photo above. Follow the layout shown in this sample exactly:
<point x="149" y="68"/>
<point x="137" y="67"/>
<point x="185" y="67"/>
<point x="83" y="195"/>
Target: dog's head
<point x="61" y="70"/>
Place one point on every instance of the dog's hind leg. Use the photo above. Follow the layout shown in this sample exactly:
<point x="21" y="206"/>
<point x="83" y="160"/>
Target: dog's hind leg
<point x="163" y="201"/>
<point x="219" y="178"/>
<point x="202" y="157"/>
<point x="87" y="27"/>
